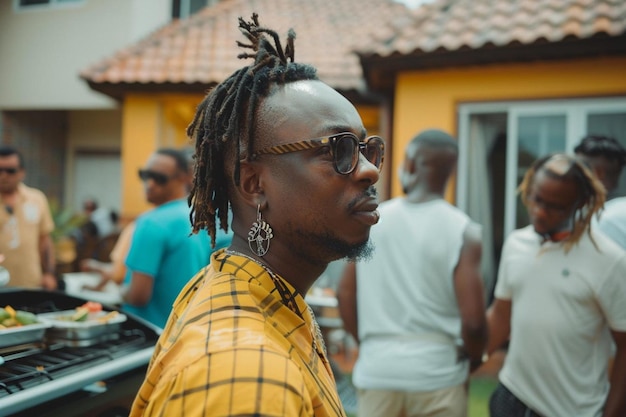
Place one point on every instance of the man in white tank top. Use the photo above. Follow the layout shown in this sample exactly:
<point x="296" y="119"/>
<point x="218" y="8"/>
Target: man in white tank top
<point x="417" y="307"/>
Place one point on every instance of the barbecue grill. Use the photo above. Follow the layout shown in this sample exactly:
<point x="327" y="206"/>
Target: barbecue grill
<point x="92" y="376"/>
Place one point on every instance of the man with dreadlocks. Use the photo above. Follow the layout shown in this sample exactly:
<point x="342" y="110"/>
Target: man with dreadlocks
<point x="560" y="289"/>
<point x="290" y="157"/>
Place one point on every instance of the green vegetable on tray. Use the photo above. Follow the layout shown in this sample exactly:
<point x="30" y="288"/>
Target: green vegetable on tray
<point x="9" y="317"/>
<point x="80" y="314"/>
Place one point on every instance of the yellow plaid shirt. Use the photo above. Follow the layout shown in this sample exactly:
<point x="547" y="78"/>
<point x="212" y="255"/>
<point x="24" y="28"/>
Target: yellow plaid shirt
<point x="233" y="347"/>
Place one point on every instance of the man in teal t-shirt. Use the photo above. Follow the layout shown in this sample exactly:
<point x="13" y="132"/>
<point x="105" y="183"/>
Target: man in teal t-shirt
<point x="164" y="254"/>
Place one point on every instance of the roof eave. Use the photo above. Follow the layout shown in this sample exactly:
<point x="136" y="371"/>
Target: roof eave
<point x="380" y="71"/>
<point x="119" y="90"/>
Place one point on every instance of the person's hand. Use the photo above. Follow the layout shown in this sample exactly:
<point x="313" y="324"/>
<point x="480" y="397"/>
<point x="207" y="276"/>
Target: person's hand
<point x="89" y="265"/>
<point x="98" y="287"/>
<point x="1" y="258"/>
<point x="49" y="281"/>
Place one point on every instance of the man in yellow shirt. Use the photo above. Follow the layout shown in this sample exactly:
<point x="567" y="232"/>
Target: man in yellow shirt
<point x="289" y="155"/>
<point x="25" y="227"/>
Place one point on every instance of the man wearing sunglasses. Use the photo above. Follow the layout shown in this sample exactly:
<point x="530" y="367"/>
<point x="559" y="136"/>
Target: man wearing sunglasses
<point x="417" y="307"/>
<point x="25" y="227"/>
<point x="291" y="157"/>
<point x="163" y="254"/>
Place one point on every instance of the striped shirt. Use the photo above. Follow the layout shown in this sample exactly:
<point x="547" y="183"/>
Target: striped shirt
<point x="240" y="342"/>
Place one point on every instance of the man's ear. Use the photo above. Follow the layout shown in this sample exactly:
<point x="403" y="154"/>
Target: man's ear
<point x="250" y="188"/>
<point x="409" y="165"/>
<point x="21" y="174"/>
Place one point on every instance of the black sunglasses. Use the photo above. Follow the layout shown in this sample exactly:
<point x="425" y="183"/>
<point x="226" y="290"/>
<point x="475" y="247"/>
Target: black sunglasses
<point x="158" y="177"/>
<point x="345" y="148"/>
<point x="10" y="171"/>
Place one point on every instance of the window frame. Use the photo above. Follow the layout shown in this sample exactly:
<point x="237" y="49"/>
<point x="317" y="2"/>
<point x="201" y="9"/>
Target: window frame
<point x="50" y="4"/>
<point x="576" y="112"/>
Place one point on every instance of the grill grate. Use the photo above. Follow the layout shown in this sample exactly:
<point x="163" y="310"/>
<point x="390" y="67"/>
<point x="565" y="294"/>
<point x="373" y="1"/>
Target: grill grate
<point x="42" y="377"/>
<point x="25" y="369"/>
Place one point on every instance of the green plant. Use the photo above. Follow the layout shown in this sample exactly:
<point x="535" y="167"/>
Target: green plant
<point x="479" y="393"/>
<point x="66" y="221"/>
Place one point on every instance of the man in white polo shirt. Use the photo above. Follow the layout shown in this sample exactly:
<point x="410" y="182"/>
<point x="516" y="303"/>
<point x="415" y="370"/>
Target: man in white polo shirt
<point x="560" y="297"/>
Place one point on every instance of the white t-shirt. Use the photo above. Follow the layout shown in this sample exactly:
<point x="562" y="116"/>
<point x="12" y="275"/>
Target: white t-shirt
<point x="613" y="220"/>
<point x="409" y="321"/>
<point x="103" y="220"/>
<point x="562" y="307"/>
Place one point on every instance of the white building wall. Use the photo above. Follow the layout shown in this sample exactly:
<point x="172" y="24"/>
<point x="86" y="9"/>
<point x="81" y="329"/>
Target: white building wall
<point x="43" y="49"/>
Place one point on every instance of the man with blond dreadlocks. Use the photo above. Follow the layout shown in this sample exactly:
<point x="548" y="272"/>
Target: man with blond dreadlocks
<point x="560" y="297"/>
<point x="289" y="155"/>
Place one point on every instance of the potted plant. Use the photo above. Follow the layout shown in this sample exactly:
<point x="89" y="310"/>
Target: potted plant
<point x="66" y="225"/>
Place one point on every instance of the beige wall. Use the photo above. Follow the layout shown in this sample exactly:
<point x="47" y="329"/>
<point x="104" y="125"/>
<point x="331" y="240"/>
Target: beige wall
<point x="43" y="50"/>
<point x="428" y="99"/>
<point x="96" y="131"/>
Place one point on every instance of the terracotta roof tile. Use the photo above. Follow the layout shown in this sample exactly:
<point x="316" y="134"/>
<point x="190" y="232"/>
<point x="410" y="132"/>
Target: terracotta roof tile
<point x="458" y="24"/>
<point x="202" y="49"/>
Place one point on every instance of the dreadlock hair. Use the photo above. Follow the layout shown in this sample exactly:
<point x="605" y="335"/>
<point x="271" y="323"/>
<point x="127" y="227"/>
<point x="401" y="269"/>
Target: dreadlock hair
<point x="591" y="193"/>
<point x="228" y="112"/>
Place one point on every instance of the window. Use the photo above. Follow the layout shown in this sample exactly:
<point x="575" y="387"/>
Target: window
<point x="27" y="4"/>
<point x="182" y="9"/>
<point x="499" y="141"/>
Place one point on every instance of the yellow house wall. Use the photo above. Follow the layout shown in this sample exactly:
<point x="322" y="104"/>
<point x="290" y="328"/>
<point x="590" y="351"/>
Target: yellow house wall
<point x="151" y="121"/>
<point x="429" y="99"/>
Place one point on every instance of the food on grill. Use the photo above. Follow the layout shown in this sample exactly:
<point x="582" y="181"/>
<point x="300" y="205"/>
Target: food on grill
<point x="9" y="317"/>
<point x="81" y="313"/>
<point x="25" y="317"/>
<point x="51" y="366"/>
<point x="4" y="314"/>
<point x="92" y="306"/>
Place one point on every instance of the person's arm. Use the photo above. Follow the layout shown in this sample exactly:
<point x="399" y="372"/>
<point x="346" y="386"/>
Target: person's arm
<point x="139" y="291"/>
<point x="119" y="252"/>
<point x="346" y="296"/>
<point x="615" y="405"/>
<point x="104" y="269"/>
<point x="48" y="262"/>
<point x="499" y="320"/>
<point x="468" y="287"/>
<point x="116" y="269"/>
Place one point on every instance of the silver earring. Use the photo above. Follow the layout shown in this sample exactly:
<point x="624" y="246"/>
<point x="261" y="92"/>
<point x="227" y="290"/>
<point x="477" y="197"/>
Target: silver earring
<point x="259" y="235"/>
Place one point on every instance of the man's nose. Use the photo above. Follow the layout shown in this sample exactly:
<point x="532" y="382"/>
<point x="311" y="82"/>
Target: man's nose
<point x="365" y="170"/>
<point x="539" y="211"/>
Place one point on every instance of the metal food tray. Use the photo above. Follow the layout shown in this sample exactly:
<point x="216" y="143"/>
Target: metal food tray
<point x="21" y="335"/>
<point x="92" y="328"/>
